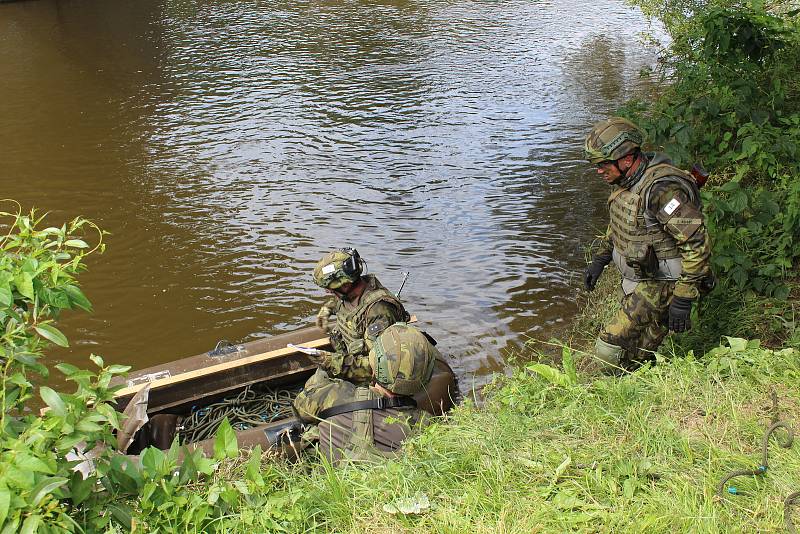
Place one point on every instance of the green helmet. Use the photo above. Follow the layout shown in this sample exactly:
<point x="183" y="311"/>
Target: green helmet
<point x="338" y="268"/>
<point x="612" y="139"/>
<point x="403" y="359"/>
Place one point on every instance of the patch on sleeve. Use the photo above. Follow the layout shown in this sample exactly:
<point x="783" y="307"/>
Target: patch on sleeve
<point x="328" y="269"/>
<point x="377" y="327"/>
<point x="671" y="206"/>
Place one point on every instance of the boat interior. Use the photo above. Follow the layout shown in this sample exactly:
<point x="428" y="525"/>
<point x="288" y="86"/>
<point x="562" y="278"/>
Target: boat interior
<point x="251" y="384"/>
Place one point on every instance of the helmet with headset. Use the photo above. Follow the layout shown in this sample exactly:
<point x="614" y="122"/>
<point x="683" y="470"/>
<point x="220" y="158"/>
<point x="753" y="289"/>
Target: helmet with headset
<point x="612" y="139"/>
<point x="338" y="268"/>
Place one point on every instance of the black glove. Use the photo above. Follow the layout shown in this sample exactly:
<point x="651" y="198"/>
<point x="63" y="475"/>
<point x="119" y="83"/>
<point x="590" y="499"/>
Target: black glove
<point x="680" y="311"/>
<point x="707" y="284"/>
<point x="595" y="269"/>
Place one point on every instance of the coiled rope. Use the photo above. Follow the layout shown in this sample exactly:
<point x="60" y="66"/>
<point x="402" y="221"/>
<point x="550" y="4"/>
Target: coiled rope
<point x="247" y="409"/>
<point x="792" y="499"/>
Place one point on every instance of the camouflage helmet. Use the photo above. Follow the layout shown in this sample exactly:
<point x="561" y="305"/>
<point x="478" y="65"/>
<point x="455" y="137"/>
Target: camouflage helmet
<point x="612" y="139"/>
<point x="338" y="268"/>
<point x="403" y="359"/>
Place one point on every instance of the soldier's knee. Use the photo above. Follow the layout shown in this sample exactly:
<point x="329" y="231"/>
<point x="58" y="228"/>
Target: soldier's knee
<point x="308" y="402"/>
<point x="319" y="393"/>
<point x="306" y="406"/>
<point x="610" y="355"/>
<point x="318" y="379"/>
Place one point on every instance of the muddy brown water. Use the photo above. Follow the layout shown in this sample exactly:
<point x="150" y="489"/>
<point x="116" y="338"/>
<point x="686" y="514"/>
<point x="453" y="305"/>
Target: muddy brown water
<point x="227" y="145"/>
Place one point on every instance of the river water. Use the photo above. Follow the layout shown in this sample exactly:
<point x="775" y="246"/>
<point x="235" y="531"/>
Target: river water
<point x="226" y="145"/>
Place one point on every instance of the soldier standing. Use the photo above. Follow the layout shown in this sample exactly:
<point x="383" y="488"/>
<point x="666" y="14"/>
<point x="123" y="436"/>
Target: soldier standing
<point x="656" y="238"/>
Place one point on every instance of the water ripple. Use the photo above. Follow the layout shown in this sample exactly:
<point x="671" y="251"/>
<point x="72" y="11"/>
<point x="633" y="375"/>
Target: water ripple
<point x="228" y="145"/>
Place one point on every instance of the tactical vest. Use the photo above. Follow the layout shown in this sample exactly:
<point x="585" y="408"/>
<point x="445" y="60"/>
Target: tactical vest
<point x="351" y="323"/>
<point x="643" y="250"/>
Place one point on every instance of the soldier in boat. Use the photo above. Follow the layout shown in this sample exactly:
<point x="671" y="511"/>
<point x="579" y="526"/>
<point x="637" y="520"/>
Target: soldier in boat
<point x="360" y="422"/>
<point x="363" y="308"/>
<point x="372" y="345"/>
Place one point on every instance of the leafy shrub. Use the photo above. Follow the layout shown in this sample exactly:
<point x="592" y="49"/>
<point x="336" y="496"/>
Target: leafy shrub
<point x="40" y="491"/>
<point x="755" y="235"/>
<point x="732" y="101"/>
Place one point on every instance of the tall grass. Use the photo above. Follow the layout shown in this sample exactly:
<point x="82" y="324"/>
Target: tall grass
<point x="639" y="453"/>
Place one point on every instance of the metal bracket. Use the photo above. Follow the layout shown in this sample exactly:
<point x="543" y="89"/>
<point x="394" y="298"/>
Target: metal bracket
<point x="225" y="347"/>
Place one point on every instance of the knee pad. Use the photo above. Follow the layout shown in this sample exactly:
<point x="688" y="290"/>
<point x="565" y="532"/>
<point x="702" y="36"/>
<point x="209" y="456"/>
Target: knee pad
<point x="610" y="355"/>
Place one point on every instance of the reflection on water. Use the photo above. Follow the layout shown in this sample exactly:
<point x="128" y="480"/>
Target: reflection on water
<point x="227" y="145"/>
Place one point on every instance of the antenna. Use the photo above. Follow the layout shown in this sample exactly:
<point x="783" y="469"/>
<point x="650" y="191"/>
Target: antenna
<point x="403" y="284"/>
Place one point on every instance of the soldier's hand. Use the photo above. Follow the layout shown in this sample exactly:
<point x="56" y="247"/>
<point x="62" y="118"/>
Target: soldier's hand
<point x="592" y="273"/>
<point x="321" y="357"/>
<point x="336" y="340"/>
<point x="323" y="318"/>
<point x="680" y="312"/>
<point x="330" y="362"/>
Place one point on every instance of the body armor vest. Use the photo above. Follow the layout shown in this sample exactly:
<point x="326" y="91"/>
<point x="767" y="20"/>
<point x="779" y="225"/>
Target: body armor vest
<point x="643" y="250"/>
<point x="351" y="322"/>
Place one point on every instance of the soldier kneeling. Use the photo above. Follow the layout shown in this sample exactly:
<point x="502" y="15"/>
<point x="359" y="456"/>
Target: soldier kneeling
<point x="372" y="422"/>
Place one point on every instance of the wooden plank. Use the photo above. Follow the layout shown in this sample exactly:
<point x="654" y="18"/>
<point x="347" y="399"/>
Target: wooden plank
<point x="224" y="366"/>
<point x="220" y="367"/>
<point x="207" y="394"/>
<point x="205" y="359"/>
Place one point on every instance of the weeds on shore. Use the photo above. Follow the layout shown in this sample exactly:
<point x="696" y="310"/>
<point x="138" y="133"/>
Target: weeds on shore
<point x="644" y="452"/>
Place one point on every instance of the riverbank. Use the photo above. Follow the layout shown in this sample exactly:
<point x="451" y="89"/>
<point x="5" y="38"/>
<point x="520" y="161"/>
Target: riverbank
<point x="644" y="452"/>
<point x="551" y="450"/>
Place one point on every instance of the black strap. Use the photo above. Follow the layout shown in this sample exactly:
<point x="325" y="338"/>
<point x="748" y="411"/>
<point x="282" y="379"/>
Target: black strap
<point x="373" y="404"/>
<point x="429" y="338"/>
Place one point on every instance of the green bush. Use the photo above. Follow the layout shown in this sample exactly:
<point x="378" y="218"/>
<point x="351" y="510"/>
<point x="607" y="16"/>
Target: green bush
<point x="40" y="491"/>
<point x="731" y="101"/>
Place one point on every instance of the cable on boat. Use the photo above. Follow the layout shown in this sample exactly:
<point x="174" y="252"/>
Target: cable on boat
<point x="247" y="409"/>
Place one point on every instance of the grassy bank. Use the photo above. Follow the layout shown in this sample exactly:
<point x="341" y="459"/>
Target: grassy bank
<point x="549" y="451"/>
<point x="644" y="452"/>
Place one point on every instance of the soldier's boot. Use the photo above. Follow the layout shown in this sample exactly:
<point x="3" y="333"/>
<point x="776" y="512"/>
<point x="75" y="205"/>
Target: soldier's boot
<point x="610" y="356"/>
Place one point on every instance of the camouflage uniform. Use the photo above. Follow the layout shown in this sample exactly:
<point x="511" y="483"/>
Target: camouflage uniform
<point x="640" y="325"/>
<point x="357" y="326"/>
<point x="658" y="241"/>
<point x="322" y="392"/>
<point x="403" y="360"/>
<point x="368" y="434"/>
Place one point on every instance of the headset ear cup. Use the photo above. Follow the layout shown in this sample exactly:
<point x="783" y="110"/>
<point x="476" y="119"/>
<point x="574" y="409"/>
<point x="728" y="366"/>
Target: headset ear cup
<point x="347" y="266"/>
<point x="352" y="265"/>
<point x="356" y="263"/>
